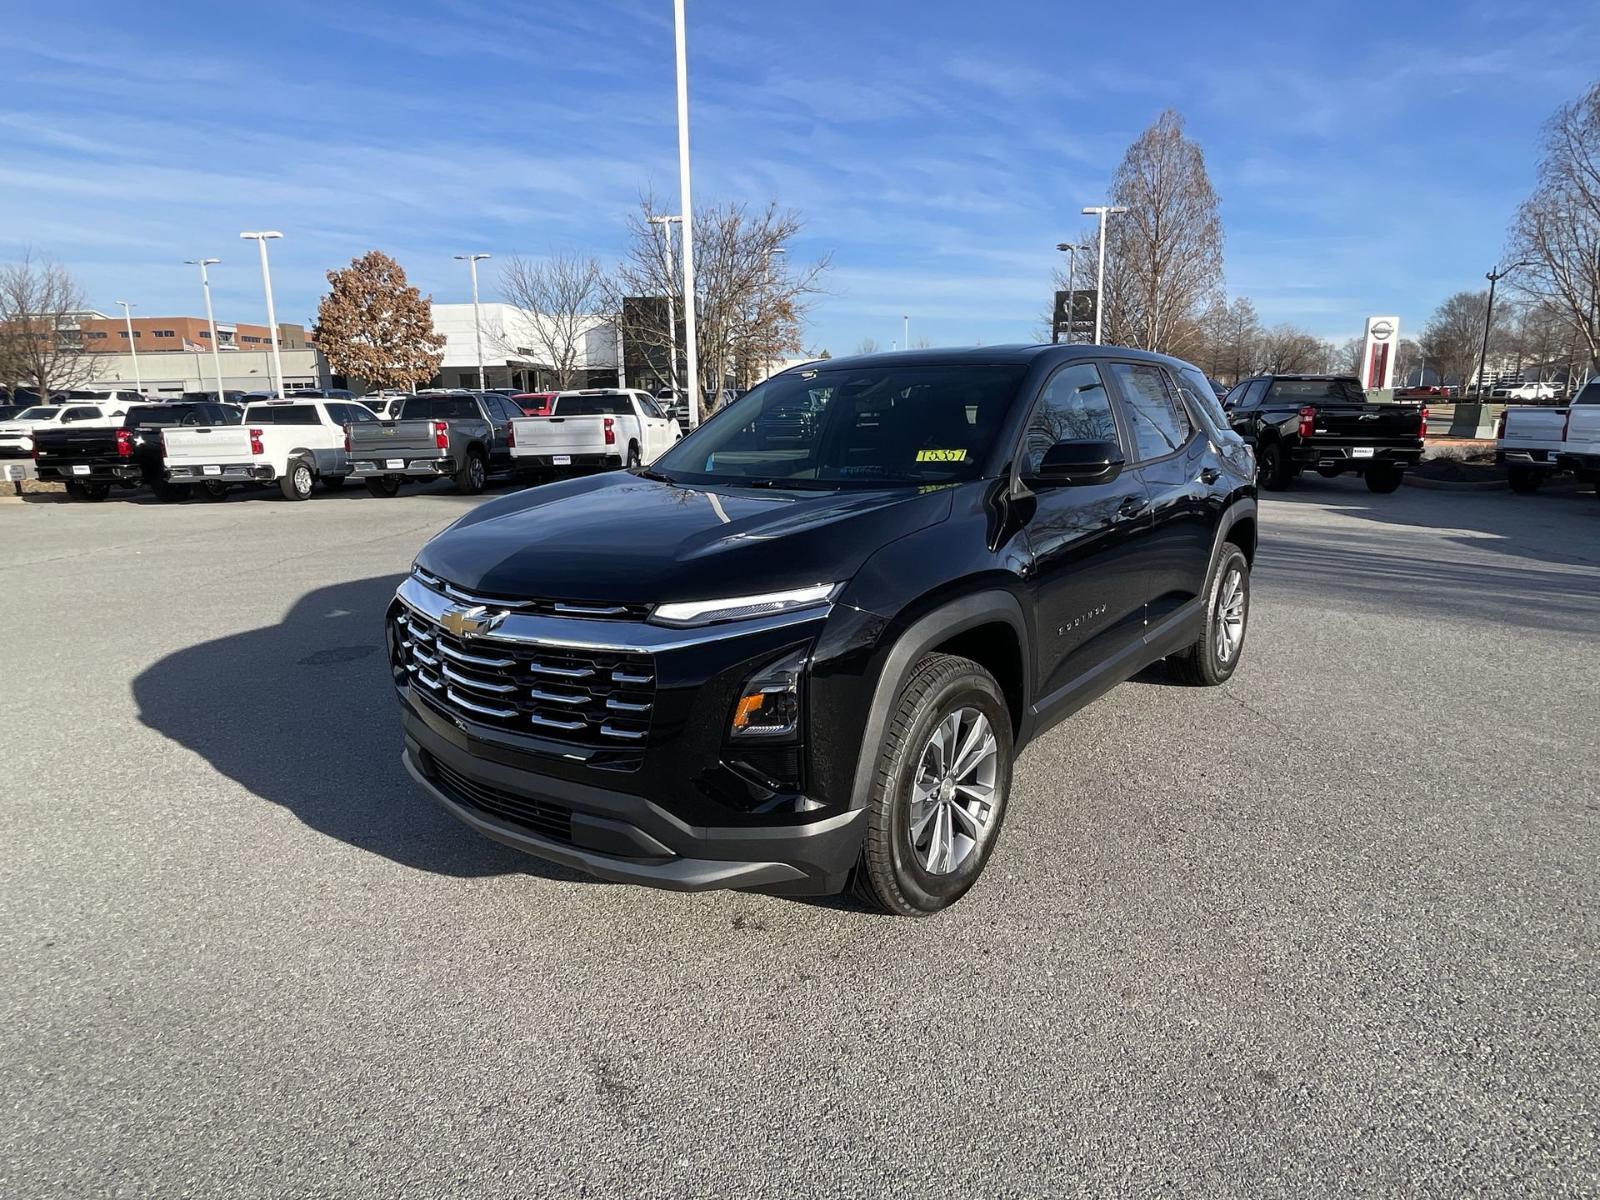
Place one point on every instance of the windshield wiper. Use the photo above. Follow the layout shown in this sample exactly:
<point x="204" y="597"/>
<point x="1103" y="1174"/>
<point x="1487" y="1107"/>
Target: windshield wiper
<point x="646" y="473"/>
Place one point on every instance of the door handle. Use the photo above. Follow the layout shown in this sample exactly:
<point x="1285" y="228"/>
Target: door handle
<point x="1210" y="475"/>
<point x="1131" y="506"/>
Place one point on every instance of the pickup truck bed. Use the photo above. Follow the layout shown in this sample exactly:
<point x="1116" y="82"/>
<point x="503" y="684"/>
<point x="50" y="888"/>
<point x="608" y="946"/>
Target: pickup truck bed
<point x="1536" y="442"/>
<point x="458" y="435"/>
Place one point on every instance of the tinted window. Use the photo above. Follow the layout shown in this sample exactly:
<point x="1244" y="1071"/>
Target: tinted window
<point x="1160" y="424"/>
<point x="80" y="413"/>
<point x="1073" y="407"/>
<point x="649" y="405"/>
<point x="1590" y="393"/>
<point x="505" y="408"/>
<point x="592" y="406"/>
<point x="1203" y="396"/>
<point x="284" y="414"/>
<point x="359" y="413"/>
<point x="873" y="426"/>
<point x="1309" y="391"/>
<point x="38" y="414"/>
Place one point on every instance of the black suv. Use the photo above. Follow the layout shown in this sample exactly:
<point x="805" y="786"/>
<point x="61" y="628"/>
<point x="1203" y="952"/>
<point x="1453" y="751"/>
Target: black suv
<point x="798" y="658"/>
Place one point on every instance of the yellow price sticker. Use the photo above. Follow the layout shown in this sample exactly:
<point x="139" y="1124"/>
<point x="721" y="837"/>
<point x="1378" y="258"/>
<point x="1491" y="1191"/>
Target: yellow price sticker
<point x="941" y="456"/>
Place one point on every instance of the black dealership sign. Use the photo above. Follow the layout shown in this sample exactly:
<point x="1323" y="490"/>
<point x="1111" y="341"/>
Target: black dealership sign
<point x="1081" y="326"/>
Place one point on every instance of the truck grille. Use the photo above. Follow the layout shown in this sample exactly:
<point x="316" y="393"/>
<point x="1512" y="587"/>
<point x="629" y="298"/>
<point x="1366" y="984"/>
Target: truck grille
<point x="597" y="699"/>
<point x="543" y="817"/>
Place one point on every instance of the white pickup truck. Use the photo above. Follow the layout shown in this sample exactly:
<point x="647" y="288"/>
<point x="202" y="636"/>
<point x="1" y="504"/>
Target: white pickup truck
<point x="597" y="427"/>
<point x="1535" y="443"/>
<point x="292" y="443"/>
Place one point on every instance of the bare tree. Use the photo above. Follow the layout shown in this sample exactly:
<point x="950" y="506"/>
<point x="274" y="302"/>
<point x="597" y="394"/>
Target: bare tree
<point x="1454" y="335"/>
<point x="751" y="298"/>
<point x="1290" y="350"/>
<point x="560" y="299"/>
<point x="1557" y="229"/>
<point x="867" y="346"/>
<point x="40" y="345"/>
<point x="1164" y="255"/>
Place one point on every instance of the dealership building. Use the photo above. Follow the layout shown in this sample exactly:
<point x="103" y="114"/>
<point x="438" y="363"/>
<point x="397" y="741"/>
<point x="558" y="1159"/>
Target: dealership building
<point x="511" y="357"/>
<point x="174" y="354"/>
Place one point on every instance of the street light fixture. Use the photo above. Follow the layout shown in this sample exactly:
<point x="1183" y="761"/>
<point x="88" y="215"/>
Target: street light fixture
<point x="261" y="239"/>
<point x="686" y="206"/>
<point x="666" y="223"/>
<point x="127" y="315"/>
<point x="477" y="326"/>
<point x="1071" y="249"/>
<point x="1494" y="277"/>
<point x="1102" y="210"/>
<point x="211" y="318"/>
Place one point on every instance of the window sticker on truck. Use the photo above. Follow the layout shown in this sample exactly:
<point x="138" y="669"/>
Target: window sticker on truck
<point x="941" y="456"/>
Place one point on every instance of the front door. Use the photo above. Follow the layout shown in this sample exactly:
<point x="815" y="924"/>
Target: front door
<point x="1087" y="544"/>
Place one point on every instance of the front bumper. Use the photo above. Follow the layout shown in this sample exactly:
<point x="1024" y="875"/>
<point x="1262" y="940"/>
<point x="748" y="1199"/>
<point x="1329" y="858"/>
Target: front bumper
<point x="621" y="837"/>
<point x="410" y="468"/>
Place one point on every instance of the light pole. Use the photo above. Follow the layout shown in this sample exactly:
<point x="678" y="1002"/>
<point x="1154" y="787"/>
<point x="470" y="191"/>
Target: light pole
<point x="672" y="317"/>
<point x="261" y="239"/>
<point x="1072" y="249"/>
<point x="1102" y="210"/>
<point x="1494" y="277"/>
<point x="477" y="326"/>
<point x="127" y="315"/>
<point x="690" y="352"/>
<point x="905" y="330"/>
<point x="211" y="318"/>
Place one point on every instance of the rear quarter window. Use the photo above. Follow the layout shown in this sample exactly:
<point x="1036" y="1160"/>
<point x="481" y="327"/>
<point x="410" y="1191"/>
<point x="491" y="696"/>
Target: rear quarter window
<point x="592" y="406"/>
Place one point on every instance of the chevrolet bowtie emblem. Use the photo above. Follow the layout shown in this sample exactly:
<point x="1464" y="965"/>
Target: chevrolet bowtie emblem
<point x="470" y="622"/>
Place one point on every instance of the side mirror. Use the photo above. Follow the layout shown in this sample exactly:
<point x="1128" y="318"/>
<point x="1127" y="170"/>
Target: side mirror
<point x="1079" y="462"/>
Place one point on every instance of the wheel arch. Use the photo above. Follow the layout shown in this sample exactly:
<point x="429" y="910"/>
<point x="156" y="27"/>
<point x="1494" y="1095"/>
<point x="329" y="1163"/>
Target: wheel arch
<point x="985" y="626"/>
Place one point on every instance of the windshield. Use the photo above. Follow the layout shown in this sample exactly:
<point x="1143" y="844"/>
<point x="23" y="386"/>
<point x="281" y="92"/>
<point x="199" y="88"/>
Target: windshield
<point x="866" y="427"/>
<point x="1317" y="389"/>
<point x="38" y="414"/>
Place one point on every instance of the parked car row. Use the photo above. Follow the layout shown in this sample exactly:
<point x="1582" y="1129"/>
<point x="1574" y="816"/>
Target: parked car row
<point x="203" y="447"/>
<point x="1536" y="443"/>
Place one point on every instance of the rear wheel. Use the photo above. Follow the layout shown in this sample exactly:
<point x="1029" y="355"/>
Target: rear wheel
<point x="297" y="481"/>
<point x="939" y="789"/>
<point x="469" y="479"/>
<point x="383" y="485"/>
<point x="1383" y="479"/>
<point x="213" y="492"/>
<point x="1525" y="480"/>
<point x="633" y="455"/>
<point x="1273" y="469"/>
<point x="1212" y="657"/>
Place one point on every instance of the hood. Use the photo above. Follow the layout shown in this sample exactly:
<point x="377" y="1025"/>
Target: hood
<point x="618" y="538"/>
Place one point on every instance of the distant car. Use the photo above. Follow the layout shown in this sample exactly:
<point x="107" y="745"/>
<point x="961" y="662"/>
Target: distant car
<point x="534" y="404"/>
<point x="321" y="394"/>
<point x="1525" y="393"/>
<point x="7" y="411"/>
<point x="229" y="396"/>
<point x="1420" y="391"/>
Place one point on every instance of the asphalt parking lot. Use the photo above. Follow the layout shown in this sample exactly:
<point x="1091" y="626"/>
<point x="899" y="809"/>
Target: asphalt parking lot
<point x="1328" y="930"/>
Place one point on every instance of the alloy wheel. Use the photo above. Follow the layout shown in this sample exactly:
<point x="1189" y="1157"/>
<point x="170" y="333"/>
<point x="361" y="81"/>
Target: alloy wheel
<point x="302" y="480"/>
<point x="953" y="794"/>
<point x="1230" y="616"/>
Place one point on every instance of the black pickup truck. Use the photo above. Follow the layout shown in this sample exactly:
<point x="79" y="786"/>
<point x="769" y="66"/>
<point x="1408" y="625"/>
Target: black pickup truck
<point x="804" y="666"/>
<point x="465" y="436"/>
<point x="1325" y="423"/>
<point x="89" y="460"/>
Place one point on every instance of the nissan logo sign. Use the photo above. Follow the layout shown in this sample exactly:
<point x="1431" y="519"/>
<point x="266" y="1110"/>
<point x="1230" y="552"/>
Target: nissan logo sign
<point x="1382" y="331"/>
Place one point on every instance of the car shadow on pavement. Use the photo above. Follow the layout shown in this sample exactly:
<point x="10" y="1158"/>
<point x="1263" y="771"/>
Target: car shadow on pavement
<point x="303" y="714"/>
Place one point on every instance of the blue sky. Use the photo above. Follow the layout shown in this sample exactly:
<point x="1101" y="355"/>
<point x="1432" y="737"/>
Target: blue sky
<point x="1368" y="156"/>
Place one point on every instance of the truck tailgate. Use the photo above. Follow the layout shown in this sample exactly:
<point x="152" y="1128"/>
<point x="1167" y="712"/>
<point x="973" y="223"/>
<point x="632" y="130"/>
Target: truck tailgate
<point x="561" y="435"/>
<point x="1529" y="428"/>
<point x="61" y="447"/>
<point x="393" y="439"/>
<point x="207" y="444"/>
<point x="1370" y="424"/>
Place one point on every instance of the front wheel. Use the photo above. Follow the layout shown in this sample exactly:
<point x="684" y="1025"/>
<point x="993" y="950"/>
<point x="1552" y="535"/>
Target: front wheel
<point x="1212" y="657"/>
<point x="383" y="485"/>
<point x="1274" y="471"/>
<point x="88" y="491"/>
<point x="296" y="484"/>
<point x="940" y="785"/>
<point x="1383" y="480"/>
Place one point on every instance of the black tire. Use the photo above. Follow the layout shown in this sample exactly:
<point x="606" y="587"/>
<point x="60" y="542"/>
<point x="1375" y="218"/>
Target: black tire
<point x="383" y="486"/>
<point x="170" y="493"/>
<point x="94" y="492"/>
<point x="1206" y="663"/>
<point x="332" y="482"/>
<point x="890" y="874"/>
<point x="1273" y="468"/>
<point x="1383" y="480"/>
<point x="633" y="455"/>
<point x="297" y="481"/>
<point x="474" y="471"/>
<point x="212" y="493"/>
<point x="1525" y="480"/>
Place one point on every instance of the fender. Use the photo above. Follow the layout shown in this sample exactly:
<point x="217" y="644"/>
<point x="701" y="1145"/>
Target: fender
<point x="1239" y="509"/>
<point x="943" y="623"/>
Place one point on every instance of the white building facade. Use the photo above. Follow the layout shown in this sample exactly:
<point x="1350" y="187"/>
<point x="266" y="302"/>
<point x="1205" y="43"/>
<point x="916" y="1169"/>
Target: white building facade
<point x="170" y="373"/>
<point x="511" y="353"/>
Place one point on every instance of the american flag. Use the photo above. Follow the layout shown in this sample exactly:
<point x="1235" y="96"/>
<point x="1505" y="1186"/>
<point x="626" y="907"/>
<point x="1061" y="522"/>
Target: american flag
<point x="192" y="346"/>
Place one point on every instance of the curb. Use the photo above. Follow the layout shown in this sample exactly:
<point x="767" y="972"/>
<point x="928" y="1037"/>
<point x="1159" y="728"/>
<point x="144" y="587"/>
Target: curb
<point x="1452" y="485"/>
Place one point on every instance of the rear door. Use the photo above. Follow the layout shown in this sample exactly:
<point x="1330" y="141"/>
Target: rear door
<point x="1170" y="459"/>
<point x="1583" y="422"/>
<point x="500" y="412"/>
<point x="1087" y="545"/>
<point x="658" y="430"/>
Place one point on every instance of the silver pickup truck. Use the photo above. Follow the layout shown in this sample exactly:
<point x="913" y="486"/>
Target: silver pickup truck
<point x="1536" y="442"/>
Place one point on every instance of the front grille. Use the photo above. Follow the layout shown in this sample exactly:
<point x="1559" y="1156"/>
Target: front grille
<point x="540" y="606"/>
<point x="595" y="699"/>
<point x="543" y="817"/>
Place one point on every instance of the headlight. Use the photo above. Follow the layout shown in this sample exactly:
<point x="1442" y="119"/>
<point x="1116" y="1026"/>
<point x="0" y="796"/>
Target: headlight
<point x="738" y="608"/>
<point x="769" y="703"/>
